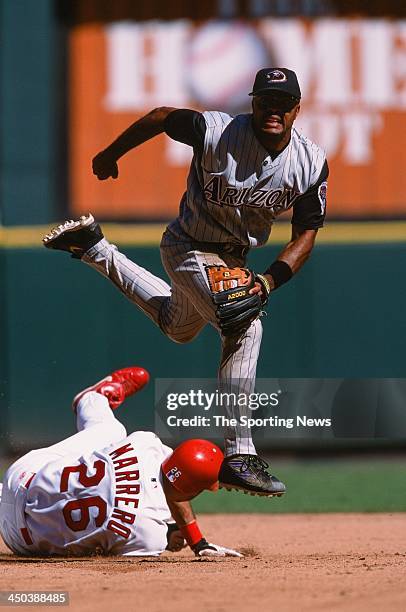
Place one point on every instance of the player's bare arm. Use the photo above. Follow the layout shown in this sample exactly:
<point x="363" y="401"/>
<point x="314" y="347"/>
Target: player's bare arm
<point x="298" y="250"/>
<point x="105" y="163"/>
<point x="181" y="511"/>
<point x="291" y="258"/>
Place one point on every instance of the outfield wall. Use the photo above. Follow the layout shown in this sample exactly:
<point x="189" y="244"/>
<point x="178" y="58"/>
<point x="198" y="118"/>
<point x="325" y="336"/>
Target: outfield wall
<point x="63" y="326"/>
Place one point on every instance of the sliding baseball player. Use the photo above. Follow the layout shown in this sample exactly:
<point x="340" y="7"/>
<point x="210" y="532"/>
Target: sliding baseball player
<point x="103" y="491"/>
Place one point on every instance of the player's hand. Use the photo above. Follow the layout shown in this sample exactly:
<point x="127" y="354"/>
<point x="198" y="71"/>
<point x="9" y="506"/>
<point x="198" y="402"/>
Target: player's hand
<point x="105" y="166"/>
<point x="206" y="549"/>
<point x="264" y="284"/>
<point x="257" y="289"/>
<point x="176" y="541"/>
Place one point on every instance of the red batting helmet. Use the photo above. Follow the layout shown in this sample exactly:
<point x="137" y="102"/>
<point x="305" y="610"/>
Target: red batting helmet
<point x="193" y="466"/>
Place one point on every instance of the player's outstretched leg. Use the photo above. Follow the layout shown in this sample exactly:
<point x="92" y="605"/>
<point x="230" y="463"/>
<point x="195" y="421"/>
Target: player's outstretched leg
<point x="116" y="387"/>
<point x="84" y="240"/>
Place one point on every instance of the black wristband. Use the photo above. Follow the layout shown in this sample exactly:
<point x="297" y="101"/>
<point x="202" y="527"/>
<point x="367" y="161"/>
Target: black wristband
<point x="280" y="271"/>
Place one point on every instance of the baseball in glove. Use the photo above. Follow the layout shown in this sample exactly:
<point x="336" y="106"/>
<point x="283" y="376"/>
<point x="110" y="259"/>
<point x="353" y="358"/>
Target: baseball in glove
<point x="230" y="288"/>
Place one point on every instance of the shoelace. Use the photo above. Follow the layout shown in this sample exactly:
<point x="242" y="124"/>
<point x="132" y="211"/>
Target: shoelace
<point x="253" y="462"/>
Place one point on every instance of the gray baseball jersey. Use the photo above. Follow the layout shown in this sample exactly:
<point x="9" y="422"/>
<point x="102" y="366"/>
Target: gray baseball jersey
<point x="235" y="190"/>
<point x="235" y="187"/>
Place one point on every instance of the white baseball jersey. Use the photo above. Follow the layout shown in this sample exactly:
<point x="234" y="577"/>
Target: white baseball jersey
<point x="236" y="188"/>
<point x="110" y="501"/>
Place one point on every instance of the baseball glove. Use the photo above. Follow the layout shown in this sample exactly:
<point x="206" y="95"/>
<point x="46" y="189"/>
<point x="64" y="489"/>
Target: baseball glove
<point x="236" y="308"/>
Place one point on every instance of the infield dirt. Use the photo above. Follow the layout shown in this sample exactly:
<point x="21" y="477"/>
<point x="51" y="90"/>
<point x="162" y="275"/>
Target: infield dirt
<point x="351" y="562"/>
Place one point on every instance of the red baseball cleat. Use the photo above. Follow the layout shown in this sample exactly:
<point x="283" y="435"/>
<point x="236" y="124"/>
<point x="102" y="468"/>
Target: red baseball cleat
<point x="117" y="386"/>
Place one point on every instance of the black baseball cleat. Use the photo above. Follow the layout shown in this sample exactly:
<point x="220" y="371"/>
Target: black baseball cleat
<point x="248" y="473"/>
<point x="75" y="237"/>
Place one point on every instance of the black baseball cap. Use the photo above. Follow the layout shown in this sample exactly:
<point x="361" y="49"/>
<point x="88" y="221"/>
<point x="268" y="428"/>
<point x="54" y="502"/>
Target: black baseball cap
<point x="268" y="80"/>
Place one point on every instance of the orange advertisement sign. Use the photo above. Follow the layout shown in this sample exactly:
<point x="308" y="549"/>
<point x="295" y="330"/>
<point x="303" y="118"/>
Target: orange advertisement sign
<point x="353" y="80"/>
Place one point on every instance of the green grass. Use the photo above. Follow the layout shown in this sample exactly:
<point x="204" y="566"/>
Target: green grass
<point x="328" y="485"/>
<point x="331" y="485"/>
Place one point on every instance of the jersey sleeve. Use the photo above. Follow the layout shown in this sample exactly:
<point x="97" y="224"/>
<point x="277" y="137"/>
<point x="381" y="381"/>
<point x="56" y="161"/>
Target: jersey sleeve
<point x="186" y="126"/>
<point x="309" y="210"/>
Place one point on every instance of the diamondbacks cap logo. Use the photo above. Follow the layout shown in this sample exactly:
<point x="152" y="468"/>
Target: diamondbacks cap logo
<point x="276" y="76"/>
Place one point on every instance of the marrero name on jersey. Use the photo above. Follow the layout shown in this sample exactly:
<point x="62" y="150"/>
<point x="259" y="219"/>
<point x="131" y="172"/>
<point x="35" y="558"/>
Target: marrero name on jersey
<point x="129" y="496"/>
<point x="245" y="172"/>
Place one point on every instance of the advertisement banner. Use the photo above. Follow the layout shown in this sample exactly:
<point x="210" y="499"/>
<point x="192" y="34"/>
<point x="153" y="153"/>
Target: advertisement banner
<point x="353" y="80"/>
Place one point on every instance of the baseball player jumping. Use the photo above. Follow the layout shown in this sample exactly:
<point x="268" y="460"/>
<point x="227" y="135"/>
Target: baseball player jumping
<point x="103" y="491"/>
<point x="245" y="171"/>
